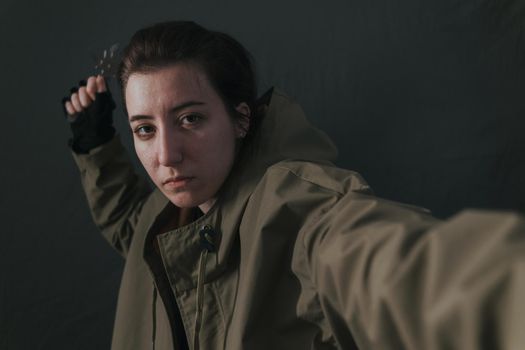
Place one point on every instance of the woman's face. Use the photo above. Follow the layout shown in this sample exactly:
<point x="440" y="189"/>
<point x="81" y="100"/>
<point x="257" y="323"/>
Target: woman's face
<point x="183" y="134"/>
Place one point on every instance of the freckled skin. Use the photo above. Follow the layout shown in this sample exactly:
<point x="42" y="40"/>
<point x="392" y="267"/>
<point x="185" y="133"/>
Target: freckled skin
<point x="196" y="141"/>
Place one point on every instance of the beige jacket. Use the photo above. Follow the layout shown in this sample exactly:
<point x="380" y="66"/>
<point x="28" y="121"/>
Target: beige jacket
<point x="298" y="254"/>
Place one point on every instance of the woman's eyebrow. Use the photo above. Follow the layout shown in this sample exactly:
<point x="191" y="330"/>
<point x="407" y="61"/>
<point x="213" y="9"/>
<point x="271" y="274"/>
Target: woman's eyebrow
<point x="173" y="110"/>
<point x="185" y="105"/>
<point x="139" y="117"/>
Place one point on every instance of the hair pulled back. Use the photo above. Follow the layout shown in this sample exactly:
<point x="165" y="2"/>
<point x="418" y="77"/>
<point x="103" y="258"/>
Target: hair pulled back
<point x="225" y="62"/>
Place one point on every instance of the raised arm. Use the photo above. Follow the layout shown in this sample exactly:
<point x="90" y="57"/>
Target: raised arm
<point x="114" y="192"/>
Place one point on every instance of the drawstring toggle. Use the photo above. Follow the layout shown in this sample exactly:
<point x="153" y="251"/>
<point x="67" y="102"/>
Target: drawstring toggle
<point x="208" y="238"/>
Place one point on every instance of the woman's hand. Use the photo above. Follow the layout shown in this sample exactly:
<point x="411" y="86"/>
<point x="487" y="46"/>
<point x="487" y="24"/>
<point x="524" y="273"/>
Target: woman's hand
<point x="89" y="109"/>
<point x="85" y="95"/>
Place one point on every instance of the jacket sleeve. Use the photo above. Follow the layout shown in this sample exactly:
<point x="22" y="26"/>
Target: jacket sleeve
<point x="114" y="192"/>
<point x="388" y="276"/>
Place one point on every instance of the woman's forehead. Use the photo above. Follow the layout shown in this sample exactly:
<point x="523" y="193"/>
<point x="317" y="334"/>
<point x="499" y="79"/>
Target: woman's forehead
<point x="175" y="76"/>
<point x="168" y="85"/>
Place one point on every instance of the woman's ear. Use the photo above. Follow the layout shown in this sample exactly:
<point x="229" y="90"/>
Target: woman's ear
<point x="243" y="122"/>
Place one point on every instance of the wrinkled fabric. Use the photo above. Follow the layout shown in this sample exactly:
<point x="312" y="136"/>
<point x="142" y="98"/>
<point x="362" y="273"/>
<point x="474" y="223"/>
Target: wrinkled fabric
<point x="307" y="257"/>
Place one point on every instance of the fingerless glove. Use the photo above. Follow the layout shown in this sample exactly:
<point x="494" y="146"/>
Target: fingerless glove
<point x="94" y="125"/>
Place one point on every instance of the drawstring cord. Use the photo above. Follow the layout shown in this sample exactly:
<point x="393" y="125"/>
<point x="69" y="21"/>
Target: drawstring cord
<point x="154" y="316"/>
<point x="200" y="295"/>
<point x="207" y="234"/>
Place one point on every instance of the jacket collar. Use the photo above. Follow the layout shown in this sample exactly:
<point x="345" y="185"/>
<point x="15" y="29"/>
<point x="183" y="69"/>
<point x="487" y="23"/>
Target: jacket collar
<point x="284" y="134"/>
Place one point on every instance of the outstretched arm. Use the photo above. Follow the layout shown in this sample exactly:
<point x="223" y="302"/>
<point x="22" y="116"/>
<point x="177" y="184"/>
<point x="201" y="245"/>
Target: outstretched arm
<point x="389" y="277"/>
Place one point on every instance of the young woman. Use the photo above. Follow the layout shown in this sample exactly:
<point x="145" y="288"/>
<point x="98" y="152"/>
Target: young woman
<point x="253" y="239"/>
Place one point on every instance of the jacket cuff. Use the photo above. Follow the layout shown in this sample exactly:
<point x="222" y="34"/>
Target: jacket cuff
<point x="100" y="155"/>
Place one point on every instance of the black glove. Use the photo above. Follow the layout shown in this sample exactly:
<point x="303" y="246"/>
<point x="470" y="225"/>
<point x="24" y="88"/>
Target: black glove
<point x="94" y="125"/>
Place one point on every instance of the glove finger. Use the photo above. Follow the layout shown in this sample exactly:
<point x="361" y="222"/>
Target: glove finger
<point x="82" y="82"/>
<point x="73" y="89"/>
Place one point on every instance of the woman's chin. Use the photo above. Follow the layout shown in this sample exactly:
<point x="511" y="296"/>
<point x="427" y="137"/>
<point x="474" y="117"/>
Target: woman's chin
<point x="182" y="200"/>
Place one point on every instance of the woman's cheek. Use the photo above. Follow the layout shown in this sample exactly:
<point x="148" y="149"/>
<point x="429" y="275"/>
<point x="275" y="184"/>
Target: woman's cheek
<point x="146" y="156"/>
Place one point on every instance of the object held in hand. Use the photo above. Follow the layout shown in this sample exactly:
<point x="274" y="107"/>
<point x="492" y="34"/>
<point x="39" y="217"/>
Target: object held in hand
<point x="107" y="63"/>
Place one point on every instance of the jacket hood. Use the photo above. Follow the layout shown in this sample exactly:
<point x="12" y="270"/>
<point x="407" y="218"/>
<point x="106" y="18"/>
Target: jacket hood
<point x="284" y="134"/>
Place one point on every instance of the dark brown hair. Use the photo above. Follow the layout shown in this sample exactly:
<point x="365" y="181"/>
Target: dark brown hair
<point x="225" y="62"/>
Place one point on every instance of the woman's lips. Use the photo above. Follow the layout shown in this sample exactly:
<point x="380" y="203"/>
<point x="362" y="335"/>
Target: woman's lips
<point x="175" y="183"/>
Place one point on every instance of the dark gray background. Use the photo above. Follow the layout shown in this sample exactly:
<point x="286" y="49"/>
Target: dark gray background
<point x="424" y="98"/>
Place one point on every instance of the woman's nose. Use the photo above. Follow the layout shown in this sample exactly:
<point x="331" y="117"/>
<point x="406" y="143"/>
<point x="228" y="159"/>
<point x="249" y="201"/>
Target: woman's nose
<point x="170" y="149"/>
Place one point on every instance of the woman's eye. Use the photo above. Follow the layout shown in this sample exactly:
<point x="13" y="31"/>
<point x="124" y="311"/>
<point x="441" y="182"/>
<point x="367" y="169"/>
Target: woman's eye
<point x="190" y="119"/>
<point x="143" y="131"/>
